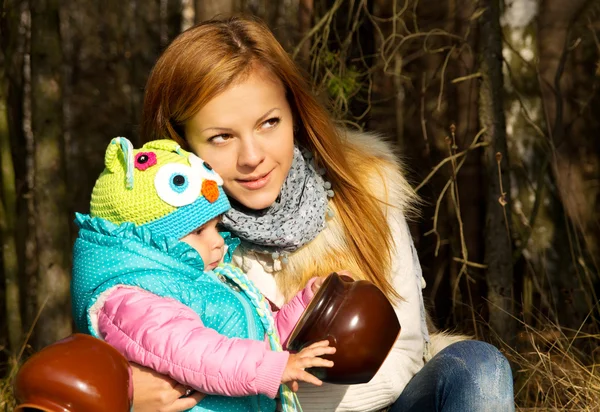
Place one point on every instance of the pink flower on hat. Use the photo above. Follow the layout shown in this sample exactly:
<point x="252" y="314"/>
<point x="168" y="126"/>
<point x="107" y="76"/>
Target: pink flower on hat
<point x="144" y="160"/>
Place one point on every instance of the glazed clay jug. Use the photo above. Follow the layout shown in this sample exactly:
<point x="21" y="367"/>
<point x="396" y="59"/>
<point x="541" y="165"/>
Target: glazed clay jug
<point x="356" y="318"/>
<point x="77" y="374"/>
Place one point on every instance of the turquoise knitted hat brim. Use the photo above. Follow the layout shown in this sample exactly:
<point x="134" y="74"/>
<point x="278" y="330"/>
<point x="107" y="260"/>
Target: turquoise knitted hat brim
<point x="186" y="219"/>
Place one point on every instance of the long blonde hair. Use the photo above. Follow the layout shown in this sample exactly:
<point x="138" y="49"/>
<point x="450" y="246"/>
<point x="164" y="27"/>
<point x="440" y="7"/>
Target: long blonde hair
<point x="204" y="60"/>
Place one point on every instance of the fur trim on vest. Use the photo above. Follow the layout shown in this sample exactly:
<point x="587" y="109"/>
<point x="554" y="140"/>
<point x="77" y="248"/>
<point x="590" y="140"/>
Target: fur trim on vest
<point x="383" y="174"/>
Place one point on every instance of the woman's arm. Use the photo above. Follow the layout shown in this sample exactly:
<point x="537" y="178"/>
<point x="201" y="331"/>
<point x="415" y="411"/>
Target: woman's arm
<point x="169" y="337"/>
<point x="159" y="393"/>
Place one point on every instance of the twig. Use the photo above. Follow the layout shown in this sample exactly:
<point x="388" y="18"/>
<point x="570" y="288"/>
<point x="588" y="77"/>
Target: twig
<point x="423" y="119"/>
<point x="467" y="77"/>
<point x="443" y="77"/>
<point x="15" y="366"/>
<point x="325" y="19"/>
<point x="450" y="158"/>
<point x="502" y="198"/>
<point x="446" y="186"/>
<point x="472" y="264"/>
<point x="535" y="209"/>
<point x="463" y="247"/>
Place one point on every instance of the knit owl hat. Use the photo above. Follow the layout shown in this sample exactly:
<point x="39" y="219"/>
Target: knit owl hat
<point x="162" y="187"/>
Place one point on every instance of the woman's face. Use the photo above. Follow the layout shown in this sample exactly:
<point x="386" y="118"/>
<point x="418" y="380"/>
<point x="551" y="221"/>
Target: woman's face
<point x="246" y="135"/>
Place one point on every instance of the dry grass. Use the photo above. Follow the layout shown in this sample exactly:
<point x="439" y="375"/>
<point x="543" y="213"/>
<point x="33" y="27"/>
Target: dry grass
<point x="556" y="370"/>
<point x="7" y="400"/>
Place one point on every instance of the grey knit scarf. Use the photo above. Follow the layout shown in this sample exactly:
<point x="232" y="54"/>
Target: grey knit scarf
<point x="294" y="219"/>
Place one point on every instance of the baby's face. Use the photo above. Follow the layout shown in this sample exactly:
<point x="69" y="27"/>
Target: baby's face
<point x="208" y="243"/>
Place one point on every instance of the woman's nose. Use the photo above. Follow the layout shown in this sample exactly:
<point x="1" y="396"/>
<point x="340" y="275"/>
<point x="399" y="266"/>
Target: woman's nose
<point x="251" y="153"/>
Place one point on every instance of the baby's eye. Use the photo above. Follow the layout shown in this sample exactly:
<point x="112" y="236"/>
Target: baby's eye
<point x="270" y="123"/>
<point x="177" y="184"/>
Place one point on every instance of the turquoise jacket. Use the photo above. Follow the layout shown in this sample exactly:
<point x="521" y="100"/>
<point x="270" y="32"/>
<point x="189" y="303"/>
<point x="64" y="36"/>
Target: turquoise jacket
<point x="106" y="255"/>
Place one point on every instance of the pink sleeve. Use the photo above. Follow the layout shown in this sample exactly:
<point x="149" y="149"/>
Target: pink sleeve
<point x="169" y="337"/>
<point x="289" y="314"/>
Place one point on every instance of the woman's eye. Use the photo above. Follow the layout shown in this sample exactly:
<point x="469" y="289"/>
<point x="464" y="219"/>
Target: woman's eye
<point x="220" y="138"/>
<point x="270" y="123"/>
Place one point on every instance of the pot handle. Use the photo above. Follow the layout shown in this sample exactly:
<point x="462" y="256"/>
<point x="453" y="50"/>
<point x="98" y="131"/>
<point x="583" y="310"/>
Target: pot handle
<point x="343" y="278"/>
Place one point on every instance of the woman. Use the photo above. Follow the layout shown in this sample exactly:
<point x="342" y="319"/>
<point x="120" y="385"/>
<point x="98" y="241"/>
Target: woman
<point x="308" y="199"/>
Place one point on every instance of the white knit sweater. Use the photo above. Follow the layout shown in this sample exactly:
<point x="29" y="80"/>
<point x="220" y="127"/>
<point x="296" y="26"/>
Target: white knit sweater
<point x="406" y="357"/>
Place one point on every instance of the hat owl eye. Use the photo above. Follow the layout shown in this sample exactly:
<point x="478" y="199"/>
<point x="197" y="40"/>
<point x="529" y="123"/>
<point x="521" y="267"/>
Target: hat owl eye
<point x="205" y="170"/>
<point x="177" y="184"/>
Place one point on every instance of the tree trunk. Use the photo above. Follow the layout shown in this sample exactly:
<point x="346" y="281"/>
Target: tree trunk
<point x="7" y="231"/>
<point x="8" y="219"/>
<point x="386" y="110"/>
<point x="28" y="220"/>
<point x="305" y="18"/>
<point x="523" y="103"/>
<point x="426" y="107"/>
<point x="572" y="152"/>
<point x="470" y="182"/>
<point x="174" y="14"/>
<point x="498" y="242"/>
<point x="109" y="51"/>
<point x="52" y="222"/>
<point x="11" y="61"/>
<point x="209" y="9"/>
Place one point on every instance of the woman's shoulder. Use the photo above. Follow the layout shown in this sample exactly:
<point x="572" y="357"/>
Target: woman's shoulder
<point x="379" y="165"/>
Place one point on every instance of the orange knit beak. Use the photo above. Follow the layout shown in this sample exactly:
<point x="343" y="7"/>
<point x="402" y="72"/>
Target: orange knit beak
<point x="210" y="190"/>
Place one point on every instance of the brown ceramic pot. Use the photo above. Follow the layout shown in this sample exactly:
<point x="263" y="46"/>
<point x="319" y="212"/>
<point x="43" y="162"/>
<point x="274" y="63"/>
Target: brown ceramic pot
<point x="356" y="318"/>
<point x="79" y="373"/>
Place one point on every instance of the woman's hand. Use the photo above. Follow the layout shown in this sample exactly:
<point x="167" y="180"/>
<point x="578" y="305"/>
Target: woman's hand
<point x="307" y="358"/>
<point x="153" y="392"/>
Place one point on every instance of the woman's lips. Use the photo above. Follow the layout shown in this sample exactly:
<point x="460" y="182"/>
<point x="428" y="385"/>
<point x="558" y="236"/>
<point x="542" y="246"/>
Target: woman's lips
<point x="256" y="183"/>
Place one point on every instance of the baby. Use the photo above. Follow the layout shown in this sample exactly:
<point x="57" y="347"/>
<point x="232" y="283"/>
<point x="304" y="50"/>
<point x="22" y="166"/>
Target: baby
<point x="151" y="276"/>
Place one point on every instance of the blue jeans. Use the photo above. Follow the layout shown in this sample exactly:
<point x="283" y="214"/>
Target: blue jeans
<point x="468" y="376"/>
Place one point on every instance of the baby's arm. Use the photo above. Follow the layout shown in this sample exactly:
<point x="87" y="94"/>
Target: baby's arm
<point x="167" y="336"/>
<point x="289" y="314"/>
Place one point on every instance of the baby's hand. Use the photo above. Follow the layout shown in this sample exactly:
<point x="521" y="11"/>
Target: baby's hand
<point x="307" y="358"/>
<point x="317" y="284"/>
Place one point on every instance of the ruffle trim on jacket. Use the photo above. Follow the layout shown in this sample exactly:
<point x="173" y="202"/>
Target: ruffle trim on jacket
<point x="170" y="246"/>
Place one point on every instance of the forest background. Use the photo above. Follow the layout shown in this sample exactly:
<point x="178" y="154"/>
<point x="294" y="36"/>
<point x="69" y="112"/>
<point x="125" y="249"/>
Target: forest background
<point x="493" y="106"/>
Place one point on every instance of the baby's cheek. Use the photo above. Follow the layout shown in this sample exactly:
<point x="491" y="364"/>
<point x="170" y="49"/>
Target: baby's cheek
<point x="186" y="239"/>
